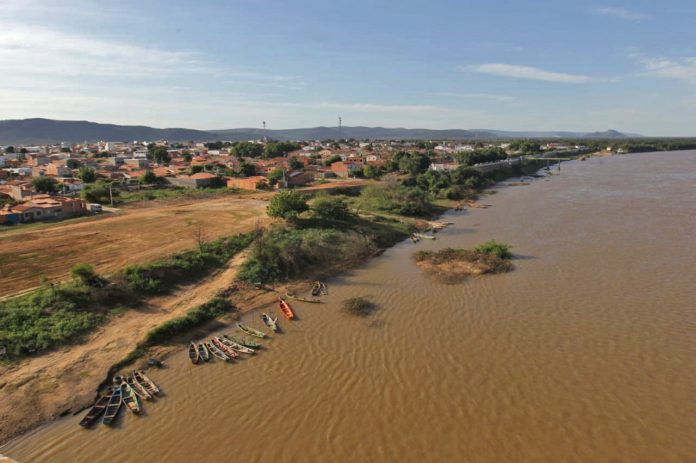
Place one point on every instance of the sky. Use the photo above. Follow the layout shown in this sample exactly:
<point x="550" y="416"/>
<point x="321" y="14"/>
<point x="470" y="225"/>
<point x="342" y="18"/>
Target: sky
<point x="508" y="65"/>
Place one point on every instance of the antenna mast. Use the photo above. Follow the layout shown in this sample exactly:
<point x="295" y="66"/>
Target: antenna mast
<point x="340" y="123"/>
<point x="265" y="138"/>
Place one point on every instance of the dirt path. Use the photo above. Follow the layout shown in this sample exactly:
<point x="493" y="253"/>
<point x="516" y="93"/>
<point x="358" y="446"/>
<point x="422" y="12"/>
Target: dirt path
<point x="41" y="388"/>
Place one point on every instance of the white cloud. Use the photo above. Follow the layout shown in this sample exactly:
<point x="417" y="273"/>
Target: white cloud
<point x="474" y="96"/>
<point x="619" y="13"/>
<point x="526" y="72"/>
<point x="680" y="69"/>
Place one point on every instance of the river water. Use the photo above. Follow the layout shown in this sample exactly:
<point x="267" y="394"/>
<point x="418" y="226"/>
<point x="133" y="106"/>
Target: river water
<point x="585" y="353"/>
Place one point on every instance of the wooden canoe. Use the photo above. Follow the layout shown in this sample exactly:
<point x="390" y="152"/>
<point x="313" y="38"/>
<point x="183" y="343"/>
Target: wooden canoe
<point x="251" y="331"/>
<point x="231" y="353"/>
<point x="236" y="346"/>
<point x="129" y="398"/>
<point x="138" y="388"/>
<point x="285" y="309"/>
<point x="316" y="289"/>
<point x="217" y="352"/>
<point x="272" y="323"/>
<point x="146" y="382"/>
<point x="113" y="407"/>
<point x="246" y="342"/>
<point x="96" y="410"/>
<point x="193" y="353"/>
<point x="203" y="352"/>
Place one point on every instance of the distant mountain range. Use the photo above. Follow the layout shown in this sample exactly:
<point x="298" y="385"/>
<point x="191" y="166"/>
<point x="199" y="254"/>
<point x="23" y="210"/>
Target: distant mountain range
<point x="42" y="131"/>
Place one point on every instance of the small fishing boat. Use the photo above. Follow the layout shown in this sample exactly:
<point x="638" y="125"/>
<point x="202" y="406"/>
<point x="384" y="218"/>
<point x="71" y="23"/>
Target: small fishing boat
<point x="113" y="407"/>
<point x="231" y="353"/>
<point x="285" y="309"/>
<point x="272" y="323"/>
<point x="236" y="346"/>
<point x="414" y="238"/>
<point x="313" y="300"/>
<point x="423" y="237"/>
<point x="193" y="353"/>
<point x="138" y="388"/>
<point x="146" y="382"/>
<point x="96" y="410"/>
<point x="251" y="331"/>
<point x="129" y="398"/>
<point x="155" y="363"/>
<point x="316" y="289"/>
<point x="246" y="342"/>
<point x="203" y="352"/>
<point x="217" y="352"/>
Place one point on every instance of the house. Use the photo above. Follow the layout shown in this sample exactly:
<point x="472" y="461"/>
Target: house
<point x="56" y="170"/>
<point x="444" y="166"/>
<point x="199" y="180"/>
<point x="345" y="169"/>
<point x="45" y="207"/>
<point x="299" y="177"/>
<point x="247" y="183"/>
<point x="7" y="216"/>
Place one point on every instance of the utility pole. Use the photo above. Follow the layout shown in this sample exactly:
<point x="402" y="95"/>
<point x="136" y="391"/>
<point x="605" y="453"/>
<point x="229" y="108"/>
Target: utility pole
<point x="340" y="123"/>
<point x="265" y="138"/>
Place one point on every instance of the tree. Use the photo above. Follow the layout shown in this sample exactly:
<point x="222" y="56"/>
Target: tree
<point x="295" y="164"/>
<point x="330" y="209"/>
<point x="279" y="148"/>
<point x="371" y="171"/>
<point x="414" y="163"/>
<point x="149" y="177"/>
<point x="275" y="176"/>
<point x="287" y="205"/>
<point x="87" y="174"/>
<point x="331" y="160"/>
<point x="10" y="149"/>
<point x="98" y="192"/>
<point x="72" y="163"/>
<point x="45" y="184"/>
<point x="158" y="154"/>
<point x="247" y="169"/>
<point x="187" y="156"/>
<point x="247" y="149"/>
<point x="196" y="169"/>
<point x="65" y="149"/>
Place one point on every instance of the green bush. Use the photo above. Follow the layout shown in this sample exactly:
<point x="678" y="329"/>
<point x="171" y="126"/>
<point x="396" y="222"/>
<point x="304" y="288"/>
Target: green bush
<point x="330" y="209"/>
<point x="85" y="274"/>
<point x="395" y="199"/>
<point x="358" y="306"/>
<point x="161" y="275"/>
<point x="493" y="248"/>
<point x="193" y="318"/>
<point x="287" y="205"/>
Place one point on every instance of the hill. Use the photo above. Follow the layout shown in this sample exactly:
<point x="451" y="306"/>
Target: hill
<point x="43" y="131"/>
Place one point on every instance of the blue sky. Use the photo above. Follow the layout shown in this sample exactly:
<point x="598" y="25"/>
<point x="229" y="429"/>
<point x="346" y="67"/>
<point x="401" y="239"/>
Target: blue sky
<point x="515" y="65"/>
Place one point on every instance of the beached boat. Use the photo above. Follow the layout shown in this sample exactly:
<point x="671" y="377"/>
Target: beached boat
<point x="414" y="238"/>
<point x="203" y="352"/>
<point x="113" y="407"/>
<point x="217" y="352"/>
<point x="129" y="398"/>
<point x="231" y="353"/>
<point x="193" y="353"/>
<point x="146" y="382"/>
<point x="251" y="331"/>
<point x="313" y="300"/>
<point x="236" y="346"/>
<point x="96" y="410"/>
<point x="320" y="288"/>
<point x="423" y="237"/>
<point x="246" y="342"/>
<point x="285" y="309"/>
<point x="272" y="323"/>
<point x="138" y="388"/>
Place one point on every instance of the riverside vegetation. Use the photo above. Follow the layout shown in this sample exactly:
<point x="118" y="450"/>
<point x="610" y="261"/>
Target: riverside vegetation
<point x="326" y="234"/>
<point x="454" y="265"/>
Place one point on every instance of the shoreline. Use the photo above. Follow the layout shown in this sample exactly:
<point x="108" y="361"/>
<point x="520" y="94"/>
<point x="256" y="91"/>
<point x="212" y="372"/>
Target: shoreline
<point x="76" y="391"/>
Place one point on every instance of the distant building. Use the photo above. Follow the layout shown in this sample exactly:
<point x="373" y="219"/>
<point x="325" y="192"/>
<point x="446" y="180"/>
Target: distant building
<point x="247" y="183"/>
<point x="199" y="180"/>
<point x="344" y="169"/>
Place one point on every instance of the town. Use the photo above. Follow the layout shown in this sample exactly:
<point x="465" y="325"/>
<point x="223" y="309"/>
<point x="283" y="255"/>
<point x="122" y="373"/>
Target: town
<point x="61" y="181"/>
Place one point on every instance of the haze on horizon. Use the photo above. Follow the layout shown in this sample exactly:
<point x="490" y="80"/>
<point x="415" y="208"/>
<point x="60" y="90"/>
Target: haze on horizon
<point x="533" y="65"/>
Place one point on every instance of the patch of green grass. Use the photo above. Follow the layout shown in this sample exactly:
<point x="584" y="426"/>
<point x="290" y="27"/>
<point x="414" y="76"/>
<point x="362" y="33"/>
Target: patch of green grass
<point x="127" y="197"/>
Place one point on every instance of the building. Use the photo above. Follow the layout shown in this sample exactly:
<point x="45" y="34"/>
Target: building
<point x="199" y="180"/>
<point x="299" y="177"/>
<point x="345" y="169"/>
<point x="444" y="166"/>
<point x="247" y="183"/>
<point x="45" y="207"/>
<point x="57" y="170"/>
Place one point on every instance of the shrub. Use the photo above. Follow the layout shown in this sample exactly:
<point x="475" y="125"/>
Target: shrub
<point x="193" y="318"/>
<point x="85" y="274"/>
<point x="493" y="248"/>
<point x="287" y="205"/>
<point x="330" y="209"/>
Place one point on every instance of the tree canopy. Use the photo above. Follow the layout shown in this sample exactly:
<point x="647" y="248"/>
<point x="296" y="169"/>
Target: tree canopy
<point x="45" y="184"/>
<point x="287" y="205"/>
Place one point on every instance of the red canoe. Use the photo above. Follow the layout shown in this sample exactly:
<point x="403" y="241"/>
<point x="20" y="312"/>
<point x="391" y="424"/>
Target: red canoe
<point x="285" y="308"/>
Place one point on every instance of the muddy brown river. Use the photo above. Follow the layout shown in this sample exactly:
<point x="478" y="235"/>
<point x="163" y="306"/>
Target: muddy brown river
<point x="585" y="353"/>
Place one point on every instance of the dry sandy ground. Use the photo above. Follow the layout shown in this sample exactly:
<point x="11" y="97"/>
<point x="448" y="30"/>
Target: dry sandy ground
<point x="65" y="381"/>
<point x="112" y="241"/>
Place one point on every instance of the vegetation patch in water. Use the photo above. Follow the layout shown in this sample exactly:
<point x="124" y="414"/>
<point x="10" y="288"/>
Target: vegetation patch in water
<point x="455" y="265"/>
<point x="359" y="306"/>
